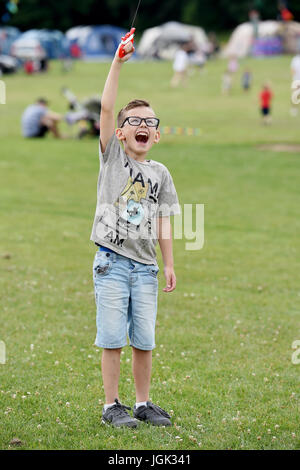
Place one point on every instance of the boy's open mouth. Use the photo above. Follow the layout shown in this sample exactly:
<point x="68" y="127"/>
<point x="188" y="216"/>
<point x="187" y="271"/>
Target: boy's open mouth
<point x="142" y="136"/>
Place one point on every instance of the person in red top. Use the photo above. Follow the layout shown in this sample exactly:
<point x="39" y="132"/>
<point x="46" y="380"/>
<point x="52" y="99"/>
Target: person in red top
<point x="284" y="12"/>
<point x="75" y="51"/>
<point x="265" y="97"/>
<point x="286" y="15"/>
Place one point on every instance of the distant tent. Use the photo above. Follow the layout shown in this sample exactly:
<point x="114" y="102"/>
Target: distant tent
<point x="274" y="37"/>
<point x="162" y="41"/>
<point x="96" y="42"/>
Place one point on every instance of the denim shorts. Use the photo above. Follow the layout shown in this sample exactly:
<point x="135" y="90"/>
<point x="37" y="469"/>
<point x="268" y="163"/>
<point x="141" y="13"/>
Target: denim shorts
<point x="126" y="299"/>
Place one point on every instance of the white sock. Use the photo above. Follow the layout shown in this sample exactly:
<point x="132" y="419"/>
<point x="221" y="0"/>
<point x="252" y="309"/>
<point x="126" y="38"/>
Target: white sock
<point x="108" y="406"/>
<point x="141" y="403"/>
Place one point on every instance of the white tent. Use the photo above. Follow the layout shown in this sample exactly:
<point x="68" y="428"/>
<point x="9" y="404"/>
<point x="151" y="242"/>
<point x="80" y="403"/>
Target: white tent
<point x="162" y="41"/>
<point x="79" y="33"/>
<point x="241" y="40"/>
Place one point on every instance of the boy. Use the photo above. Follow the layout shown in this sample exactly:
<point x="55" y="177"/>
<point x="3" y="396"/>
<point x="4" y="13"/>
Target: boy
<point x="135" y="197"/>
<point x="266" y="96"/>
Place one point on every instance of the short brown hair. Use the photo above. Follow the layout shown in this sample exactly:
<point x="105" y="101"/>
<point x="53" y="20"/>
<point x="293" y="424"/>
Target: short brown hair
<point x="132" y="104"/>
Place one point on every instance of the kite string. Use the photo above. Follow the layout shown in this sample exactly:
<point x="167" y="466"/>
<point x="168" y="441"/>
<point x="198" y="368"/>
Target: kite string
<point x="135" y="14"/>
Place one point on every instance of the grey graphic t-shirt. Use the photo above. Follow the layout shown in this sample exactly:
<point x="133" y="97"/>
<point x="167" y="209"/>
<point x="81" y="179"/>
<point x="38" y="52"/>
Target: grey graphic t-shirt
<point x="130" y="197"/>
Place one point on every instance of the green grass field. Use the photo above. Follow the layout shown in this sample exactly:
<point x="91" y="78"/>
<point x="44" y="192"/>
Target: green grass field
<point x="224" y="336"/>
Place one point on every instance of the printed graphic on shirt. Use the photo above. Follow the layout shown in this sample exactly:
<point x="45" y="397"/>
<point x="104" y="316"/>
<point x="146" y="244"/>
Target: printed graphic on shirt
<point x="139" y="178"/>
<point x="131" y="197"/>
<point x="135" y="209"/>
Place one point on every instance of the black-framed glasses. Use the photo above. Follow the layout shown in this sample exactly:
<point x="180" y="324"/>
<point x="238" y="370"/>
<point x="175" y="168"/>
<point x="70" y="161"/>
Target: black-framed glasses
<point x="136" y="121"/>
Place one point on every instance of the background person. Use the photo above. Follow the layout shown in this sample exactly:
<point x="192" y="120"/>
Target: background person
<point x="295" y="70"/>
<point x="37" y="120"/>
<point x="180" y="65"/>
<point x="226" y="83"/>
<point x="233" y="64"/>
<point x="246" y="80"/>
<point x="266" y="96"/>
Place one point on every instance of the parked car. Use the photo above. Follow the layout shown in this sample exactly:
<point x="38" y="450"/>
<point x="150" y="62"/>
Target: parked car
<point x="28" y="49"/>
<point x="40" y="44"/>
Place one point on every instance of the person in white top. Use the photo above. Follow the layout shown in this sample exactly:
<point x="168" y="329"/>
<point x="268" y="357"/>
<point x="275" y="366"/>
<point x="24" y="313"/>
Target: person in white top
<point x="295" y="70"/>
<point x="295" y="67"/>
<point x="180" y="66"/>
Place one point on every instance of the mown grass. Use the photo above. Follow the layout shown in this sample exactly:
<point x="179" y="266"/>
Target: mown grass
<point x="224" y="336"/>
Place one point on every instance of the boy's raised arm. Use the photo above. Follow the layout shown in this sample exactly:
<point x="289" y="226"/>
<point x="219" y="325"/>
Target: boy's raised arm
<point x="109" y="95"/>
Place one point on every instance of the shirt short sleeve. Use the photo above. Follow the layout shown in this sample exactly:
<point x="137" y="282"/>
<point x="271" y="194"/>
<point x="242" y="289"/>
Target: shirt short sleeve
<point x="112" y="150"/>
<point x="168" y="203"/>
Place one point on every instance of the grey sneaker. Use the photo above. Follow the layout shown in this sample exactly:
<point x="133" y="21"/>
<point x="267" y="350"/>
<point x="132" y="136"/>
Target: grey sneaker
<point x="152" y="414"/>
<point x="117" y="416"/>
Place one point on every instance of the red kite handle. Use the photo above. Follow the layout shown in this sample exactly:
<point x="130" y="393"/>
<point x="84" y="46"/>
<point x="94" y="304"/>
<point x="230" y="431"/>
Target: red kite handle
<point x="127" y="38"/>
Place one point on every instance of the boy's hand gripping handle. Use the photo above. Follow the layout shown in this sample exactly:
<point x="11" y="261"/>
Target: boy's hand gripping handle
<point x="127" y="38"/>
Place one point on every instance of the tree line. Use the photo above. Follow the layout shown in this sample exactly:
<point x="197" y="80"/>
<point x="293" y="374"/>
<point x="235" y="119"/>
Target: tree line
<point x="212" y="15"/>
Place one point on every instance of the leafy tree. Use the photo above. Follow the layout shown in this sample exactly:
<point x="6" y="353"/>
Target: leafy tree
<point x="212" y="15"/>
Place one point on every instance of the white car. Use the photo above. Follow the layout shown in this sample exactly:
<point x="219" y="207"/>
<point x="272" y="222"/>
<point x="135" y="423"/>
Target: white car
<point x="28" y="49"/>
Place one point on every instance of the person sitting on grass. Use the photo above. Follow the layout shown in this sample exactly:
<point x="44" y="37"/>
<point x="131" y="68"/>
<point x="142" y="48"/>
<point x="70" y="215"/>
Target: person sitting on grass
<point x="135" y="198"/>
<point x="37" y="120"/>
